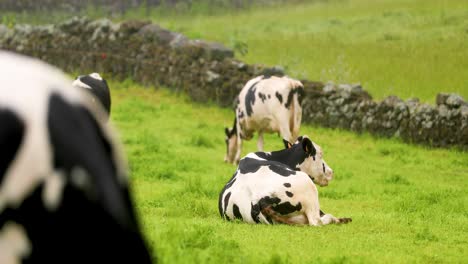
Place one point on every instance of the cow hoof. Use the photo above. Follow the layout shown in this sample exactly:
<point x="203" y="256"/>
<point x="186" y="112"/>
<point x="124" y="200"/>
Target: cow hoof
<point x="344" y="220"/>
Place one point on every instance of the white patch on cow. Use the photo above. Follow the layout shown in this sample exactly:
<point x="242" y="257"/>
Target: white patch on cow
<point x="328" y="219"/>
<point x="96" y="76"/>
<point x="53" y="189"/>
<point x="79" y="84"/>
<point x="14" y="243"/>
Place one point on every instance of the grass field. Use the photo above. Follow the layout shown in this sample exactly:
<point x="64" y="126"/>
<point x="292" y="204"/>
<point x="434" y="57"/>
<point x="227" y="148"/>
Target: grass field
<point x="408" y="203"/>
<point x="411" y="48"/>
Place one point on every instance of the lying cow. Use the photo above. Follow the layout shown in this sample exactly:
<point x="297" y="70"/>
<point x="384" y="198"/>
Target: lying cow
<point x="64" y="194"/>
<point x="265" y="104"/>
<point x="278" y="187"/>
<point x="98" y="87"/>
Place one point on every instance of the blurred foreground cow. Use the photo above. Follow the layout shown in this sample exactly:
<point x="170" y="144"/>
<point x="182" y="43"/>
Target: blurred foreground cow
<point x="278" y="187"/>
<point x="64" y="194"/>
<point x="265" y="104"/>
<point x="98" y="87"/>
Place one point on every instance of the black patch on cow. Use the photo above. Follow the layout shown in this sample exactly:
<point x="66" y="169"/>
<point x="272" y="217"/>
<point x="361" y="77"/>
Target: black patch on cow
<point x="300" y="94"/>
<point x="235" y="210"/>
<point x="290" y="157"/>
<point x="262" y="96"/>
<point x="240" y="115"/>
<point x="262" y="155"/>
<point x="227" y="186"/>
<point x="250" y="165"/>
<point x="323" y="166"/>
<point x="289" y="194"/>
<point x="269" y="96"/>
<point x="55" y="235"/>
<point x="78" y="141"/>
<point x="260" y="205"/>
<point x="250" y="98"/>
<point x="321" y="213"/>
<point x="11" y="136"/>
<point x="287" y="208"/>
<point x="287" y="185"/>
<point x="280" y="97"/>
<point x="266" y="76"/>
<point x="99" y="89"/>
<point x="226" y="201"/>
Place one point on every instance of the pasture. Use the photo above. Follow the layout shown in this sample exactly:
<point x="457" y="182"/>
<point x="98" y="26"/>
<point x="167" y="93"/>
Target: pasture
<point x="408" y="203"/>
<point x="408" y="48"/>
<point x="412" y="48"/>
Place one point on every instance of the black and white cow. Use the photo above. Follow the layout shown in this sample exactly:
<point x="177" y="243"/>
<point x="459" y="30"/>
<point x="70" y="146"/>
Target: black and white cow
<point x="265" y="104"/>
<point x="98" y="87"/>
<point x="64" y="194"/>
<point x="278" y="187"/>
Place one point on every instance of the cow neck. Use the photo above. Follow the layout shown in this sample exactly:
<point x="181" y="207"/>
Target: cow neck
<point x="291" y="156"/>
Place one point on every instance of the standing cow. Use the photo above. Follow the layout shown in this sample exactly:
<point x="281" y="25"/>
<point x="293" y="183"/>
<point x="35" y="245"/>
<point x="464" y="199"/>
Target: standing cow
<point x="265" y="104"/>
<point x="97" y="86"/>
<point x="278" y="187"/>
<point x="64" y="194"/>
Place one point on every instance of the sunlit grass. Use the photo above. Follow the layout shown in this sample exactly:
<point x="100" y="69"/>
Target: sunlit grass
<point x="408" y="203"/>
<point x="407" y="48"/>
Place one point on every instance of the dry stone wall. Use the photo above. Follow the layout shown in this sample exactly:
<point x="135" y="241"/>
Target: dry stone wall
<point x="208" y="71"/>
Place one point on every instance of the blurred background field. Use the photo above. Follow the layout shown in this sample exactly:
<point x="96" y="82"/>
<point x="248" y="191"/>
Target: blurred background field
<point x="408" y="203"/>
<point x="407" y="48"/>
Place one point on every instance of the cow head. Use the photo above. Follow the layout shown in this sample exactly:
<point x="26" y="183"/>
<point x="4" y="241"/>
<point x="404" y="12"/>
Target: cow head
<point x="97" y="86"/>
<point x="311" y="160"/>
<point x="232" y="146"/>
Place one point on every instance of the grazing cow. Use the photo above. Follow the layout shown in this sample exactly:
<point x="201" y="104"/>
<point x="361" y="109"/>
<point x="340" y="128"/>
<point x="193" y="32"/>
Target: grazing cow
<point x="265" y="104"/>
<point x="278" y="187"/>
<point x="64" y="194"/>
<point x="98" y="87"/>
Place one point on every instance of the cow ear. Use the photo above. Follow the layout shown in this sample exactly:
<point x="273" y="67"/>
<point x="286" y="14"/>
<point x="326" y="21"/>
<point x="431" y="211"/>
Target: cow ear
<point x="287" y="144"/>
<point x="226" y="131"/>
<point x="308" y="146"/>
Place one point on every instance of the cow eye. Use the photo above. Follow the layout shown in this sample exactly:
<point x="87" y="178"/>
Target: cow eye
<point x="323" y="166"/>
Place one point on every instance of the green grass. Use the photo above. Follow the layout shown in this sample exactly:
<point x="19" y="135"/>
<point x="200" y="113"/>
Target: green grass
<point x="408" y="203"/>
<point x="407" y="48"/>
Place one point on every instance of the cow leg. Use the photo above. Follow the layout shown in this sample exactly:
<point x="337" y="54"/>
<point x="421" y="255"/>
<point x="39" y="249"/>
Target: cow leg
<point x="269" y="212"/>
<point x="260" y="141"/>
<point x="299" y="219"/>
<point x="286" y="134"/>
<point x="312" y="206"/>
<point x="239" y="150"/>
<point x="330" y="219"/>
